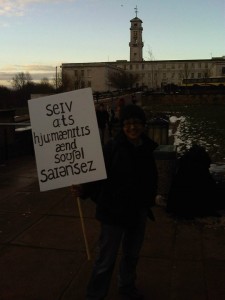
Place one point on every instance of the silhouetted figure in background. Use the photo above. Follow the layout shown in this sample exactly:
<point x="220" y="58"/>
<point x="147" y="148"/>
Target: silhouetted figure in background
<point x="133" y="99"/>
<point x="112" y="120"/>
<point x="120" y="106"/>
<point x="102" y="119"/>
<point x="193" y="191"/>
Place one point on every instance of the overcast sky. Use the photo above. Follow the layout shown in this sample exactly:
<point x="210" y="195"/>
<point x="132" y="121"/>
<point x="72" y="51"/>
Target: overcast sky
<point x="38" y="35"/>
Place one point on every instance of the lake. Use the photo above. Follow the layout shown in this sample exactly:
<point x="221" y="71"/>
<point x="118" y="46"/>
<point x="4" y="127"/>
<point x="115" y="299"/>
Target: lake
<point x="195" y="124"/>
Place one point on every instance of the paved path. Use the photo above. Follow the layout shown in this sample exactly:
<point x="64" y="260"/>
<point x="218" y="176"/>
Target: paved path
<point x="43" y="257"/>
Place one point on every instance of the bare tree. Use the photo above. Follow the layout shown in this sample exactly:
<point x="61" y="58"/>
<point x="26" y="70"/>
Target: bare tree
<point x="45" y="81"/>
<point x="154" y="73"/>
<point x="57" y="80"/>
<point x="23" y="85"/>
<point x="122" y="79"/>
<point x="5" y="96"/>
<point x="185" y="73"/>
<point x="208" y="72"/>
<point x="43" y="87"/>
<point x="21" y="80"/>
<point x="66" y="83"/>
<point x="150" y="54"/>
<point x="79" y="80"/>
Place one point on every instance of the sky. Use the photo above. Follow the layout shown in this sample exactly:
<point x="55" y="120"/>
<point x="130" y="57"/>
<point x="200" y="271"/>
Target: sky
<point x="36" y="36"/>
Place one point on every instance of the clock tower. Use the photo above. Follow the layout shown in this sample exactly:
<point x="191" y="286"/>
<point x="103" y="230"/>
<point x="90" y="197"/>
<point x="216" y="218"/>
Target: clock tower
<point x="136" y="43"/>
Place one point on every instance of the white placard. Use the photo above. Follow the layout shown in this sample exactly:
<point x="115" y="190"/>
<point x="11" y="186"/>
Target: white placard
<point x="66" y="139"/>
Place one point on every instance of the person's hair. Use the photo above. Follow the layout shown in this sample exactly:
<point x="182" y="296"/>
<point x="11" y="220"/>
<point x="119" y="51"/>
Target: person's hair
<point x="132" y="111"/>
<point x="196" y="155"/>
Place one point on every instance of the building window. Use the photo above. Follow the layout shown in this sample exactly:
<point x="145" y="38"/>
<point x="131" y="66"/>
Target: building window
<point x="223" y="70"/>
<point x="192" y="75"/>
<point x="143" y="66"/>
<point x="199" y="75"/>
<point x="137" y="66"/>
<point x="75" y="73"/>
<point x="82" y="73"/>
<point x="131" y="67"/>
<point x="135" y="35"/>
<point x="89" y="83"/>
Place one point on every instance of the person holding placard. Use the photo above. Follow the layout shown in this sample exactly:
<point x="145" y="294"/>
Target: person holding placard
<point x="123" y="204"/>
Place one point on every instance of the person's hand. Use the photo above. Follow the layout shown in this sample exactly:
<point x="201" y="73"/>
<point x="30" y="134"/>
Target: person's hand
<point x="76" y="190"/>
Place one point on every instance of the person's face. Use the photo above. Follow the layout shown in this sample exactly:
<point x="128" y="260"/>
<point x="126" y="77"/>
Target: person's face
<point x="133" y="129"/>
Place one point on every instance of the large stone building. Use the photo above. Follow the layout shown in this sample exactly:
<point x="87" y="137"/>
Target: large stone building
<point x="152" y="74"/>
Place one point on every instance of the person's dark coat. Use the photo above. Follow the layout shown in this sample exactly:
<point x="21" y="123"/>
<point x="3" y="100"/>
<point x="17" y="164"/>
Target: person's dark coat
<point x="193" y="191"/>
<point x="131" y="185"/>
<point x="102" y="118"/>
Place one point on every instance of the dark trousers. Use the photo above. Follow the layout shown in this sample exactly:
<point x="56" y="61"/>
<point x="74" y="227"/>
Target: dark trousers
<point x="110" y="240"/>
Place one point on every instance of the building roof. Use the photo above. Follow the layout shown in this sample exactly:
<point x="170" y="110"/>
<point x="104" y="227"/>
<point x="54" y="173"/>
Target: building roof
<point x="136" y="19"/>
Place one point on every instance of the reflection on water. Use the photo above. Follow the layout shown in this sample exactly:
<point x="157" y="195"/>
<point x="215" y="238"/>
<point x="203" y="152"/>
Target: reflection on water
<point x="184" y="133"/>
<point x="198" y="125"/>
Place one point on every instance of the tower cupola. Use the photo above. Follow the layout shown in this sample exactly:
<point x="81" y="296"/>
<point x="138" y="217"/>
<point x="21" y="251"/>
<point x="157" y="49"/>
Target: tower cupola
<point x="136" y="44"/>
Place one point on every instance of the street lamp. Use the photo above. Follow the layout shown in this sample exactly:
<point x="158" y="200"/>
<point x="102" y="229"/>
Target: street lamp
<point x="56" y="78"/>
